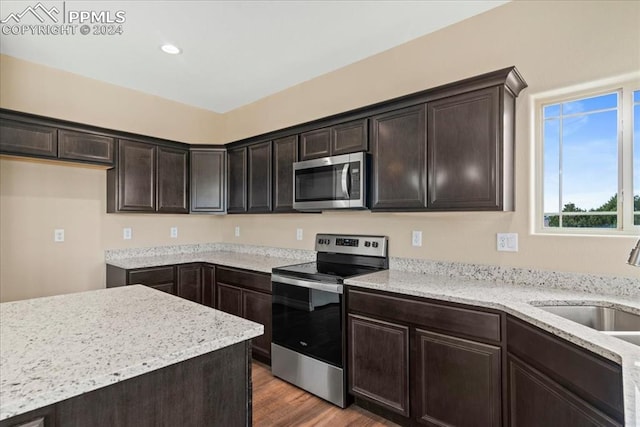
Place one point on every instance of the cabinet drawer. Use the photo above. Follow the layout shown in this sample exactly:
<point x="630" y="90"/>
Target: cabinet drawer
<point x="456" y="320"/>
<point x="165" y="287"/>
<point x="85" y="146"/>
<point x="596" y="380"/>
<point x="151" y="276"/>
<point x="246" y="279"/>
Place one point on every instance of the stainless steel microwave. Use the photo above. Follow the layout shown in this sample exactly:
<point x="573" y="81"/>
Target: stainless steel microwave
<point x="336" y="182"/>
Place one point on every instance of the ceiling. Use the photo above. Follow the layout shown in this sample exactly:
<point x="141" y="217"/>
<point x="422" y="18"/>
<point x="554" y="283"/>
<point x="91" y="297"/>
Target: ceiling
<point x="233" y="52"/>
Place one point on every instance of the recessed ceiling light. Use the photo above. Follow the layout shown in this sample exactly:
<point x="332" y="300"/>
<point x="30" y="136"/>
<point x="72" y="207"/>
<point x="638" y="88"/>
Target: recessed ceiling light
<point x="171" y="49"/>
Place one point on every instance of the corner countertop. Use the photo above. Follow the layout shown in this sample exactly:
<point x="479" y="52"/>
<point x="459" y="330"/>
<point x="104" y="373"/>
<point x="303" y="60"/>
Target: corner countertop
<point x="55" y="348"/>
<point x="248" y="261"/>
<point x="522" y="302"/>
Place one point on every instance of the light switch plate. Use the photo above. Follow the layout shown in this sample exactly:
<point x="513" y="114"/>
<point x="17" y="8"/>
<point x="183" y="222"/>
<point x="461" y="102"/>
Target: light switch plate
<point x="174" y="232"/>
<point x="58" y="235"/>
<point x="507" y="242"/>
<point x="416" y="238"/>
<point x="237" y="231"/>
<point x="298" y="233"/>
<point x="127" y="233"/>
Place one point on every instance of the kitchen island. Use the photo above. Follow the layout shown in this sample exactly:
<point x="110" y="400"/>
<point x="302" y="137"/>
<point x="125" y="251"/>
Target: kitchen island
<point x="123" y="356"/>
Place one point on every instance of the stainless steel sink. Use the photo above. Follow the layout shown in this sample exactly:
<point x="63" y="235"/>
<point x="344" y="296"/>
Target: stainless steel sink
<point x="611" y="321"/>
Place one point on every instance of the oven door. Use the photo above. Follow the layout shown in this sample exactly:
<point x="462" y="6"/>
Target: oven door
<point x="329" y="183"/>
<point x="307" y="318"/>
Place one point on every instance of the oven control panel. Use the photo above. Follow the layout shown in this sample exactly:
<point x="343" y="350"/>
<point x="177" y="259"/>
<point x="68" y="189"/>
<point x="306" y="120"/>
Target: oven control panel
<point x="352" y="244"/>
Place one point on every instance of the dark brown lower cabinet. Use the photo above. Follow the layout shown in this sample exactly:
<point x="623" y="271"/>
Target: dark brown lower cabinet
<point x="247" y="294"/>
<point x="251" y="305"/>
<point x="379" y="362"/>
<point x="550" y="378"/>
<point x="538" y="401"/>
<point x="256" y="306"/>
<point x="213" y="389"/>
<point x="457" y="381"/>
<point x="160" y="278"/>
<point x="209" y="285"/>
<point x="229" y="299"/>
<point x="190" y="282"/>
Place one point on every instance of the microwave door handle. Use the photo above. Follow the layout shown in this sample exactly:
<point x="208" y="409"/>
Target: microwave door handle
<point x="345" y="181"/>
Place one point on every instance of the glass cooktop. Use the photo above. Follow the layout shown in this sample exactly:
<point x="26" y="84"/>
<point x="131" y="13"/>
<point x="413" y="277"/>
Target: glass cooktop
<point x="324" y="271"/>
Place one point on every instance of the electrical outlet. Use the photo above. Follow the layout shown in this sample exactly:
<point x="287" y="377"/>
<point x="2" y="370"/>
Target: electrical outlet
<point x="174" y="232"/>
<point x="127" y="233"/>
<point x="237" y="231"/>
<point x="507" y="242"/>
<point x="416" y="238"/>
<point x="298" y="233"/>
<point x="58" y="235"/>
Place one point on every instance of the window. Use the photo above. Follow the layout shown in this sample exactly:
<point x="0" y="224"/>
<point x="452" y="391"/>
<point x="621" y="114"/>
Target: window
<point x="589" y="163"/>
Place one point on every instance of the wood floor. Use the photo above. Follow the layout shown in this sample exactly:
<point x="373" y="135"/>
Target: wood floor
<point x="278" y="403"/>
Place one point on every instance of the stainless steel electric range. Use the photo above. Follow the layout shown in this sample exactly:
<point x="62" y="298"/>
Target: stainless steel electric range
<point x="308" y="346"/>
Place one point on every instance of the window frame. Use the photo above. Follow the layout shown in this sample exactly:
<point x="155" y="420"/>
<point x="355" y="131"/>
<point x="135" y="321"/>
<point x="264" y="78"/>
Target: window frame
<point x="625" y="85"/>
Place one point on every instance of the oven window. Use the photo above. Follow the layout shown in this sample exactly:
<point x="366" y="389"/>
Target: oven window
<point x="319" y="183"/>
<point x="308" y="321"/>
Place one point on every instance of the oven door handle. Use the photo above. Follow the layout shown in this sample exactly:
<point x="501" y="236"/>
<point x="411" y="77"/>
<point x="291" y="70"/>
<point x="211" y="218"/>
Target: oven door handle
<point x="326" y="287"/>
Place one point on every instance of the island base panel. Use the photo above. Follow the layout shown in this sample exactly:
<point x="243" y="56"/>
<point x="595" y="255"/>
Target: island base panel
<point x="213" y="389"/>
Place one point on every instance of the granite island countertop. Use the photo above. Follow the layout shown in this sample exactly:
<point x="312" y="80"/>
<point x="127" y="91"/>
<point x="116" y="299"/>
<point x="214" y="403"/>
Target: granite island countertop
<point x="522" y="302"/>
<point x="58" y="347"/>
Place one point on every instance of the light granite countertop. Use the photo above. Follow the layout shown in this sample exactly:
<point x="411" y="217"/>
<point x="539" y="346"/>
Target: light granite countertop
<point x="59" y="347"/>
<point x="522" y="301"/>
<point x="247" y="261"/>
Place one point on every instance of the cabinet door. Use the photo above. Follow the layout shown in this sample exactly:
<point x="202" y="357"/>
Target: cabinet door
<point x="208" y="285"/>
<point x="89" y="147"/>
<point x="465" y="151"/>
<point x="537" y="401"/>
<point x="28" y="138"/>
<point x="349" y="137"/>
<point x="256" y="306"/>
<point x="285" y="153"/>
<point x="208" y="176"/>
<point x="190" y="282"/>
<point x="136" y="176"/>
<point x="229" y="299"/>
<point x="173" y="180"/>
<point x="315" y="144"/>
<point x="379" y="362"/>
<point x="237" y="180"/>
<point x="398" y="147"/>
<point x="259" y="179"/>
<point x="457" y="382"/>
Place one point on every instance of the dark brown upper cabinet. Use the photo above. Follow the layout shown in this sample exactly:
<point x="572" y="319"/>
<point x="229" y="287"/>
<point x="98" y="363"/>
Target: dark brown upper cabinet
<point x="173" y="180"/>
<point x="330" y="141"/>
<point x="148" y="178"/>
<point x="30" y="136"/>
<point x="30" y="139"/>
<point x="131" y="186"/>
<point x="208" y="180"/>
<point x="237" y="180"/>
<point x="285" y="153"/>
<point x="470" y="154"/>
<point x="89" y="147"/>
<point x="399" y="160"/>
<point x="259" y="178"/>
